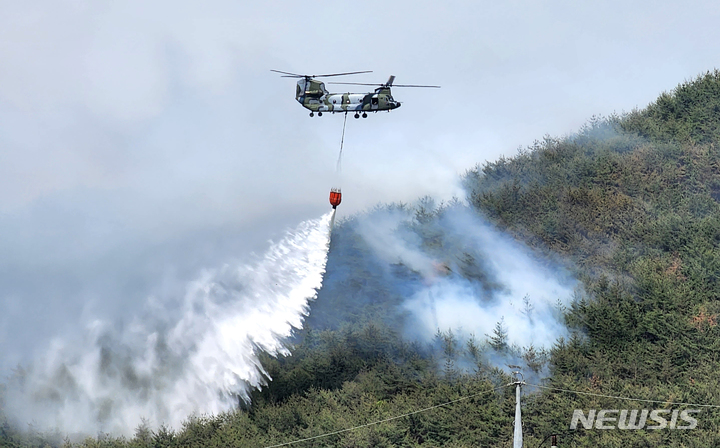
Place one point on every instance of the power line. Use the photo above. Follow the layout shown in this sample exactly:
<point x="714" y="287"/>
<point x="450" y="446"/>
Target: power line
<point x="484" y="393"/>
<point x="625" y="398"/>
<point x="387" y="419"/>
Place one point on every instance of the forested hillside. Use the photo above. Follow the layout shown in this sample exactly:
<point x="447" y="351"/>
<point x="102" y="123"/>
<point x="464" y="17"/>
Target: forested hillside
<point x="629" y="205"/>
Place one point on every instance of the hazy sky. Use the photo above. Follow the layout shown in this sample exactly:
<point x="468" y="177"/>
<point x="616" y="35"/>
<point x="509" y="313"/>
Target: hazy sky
<point x="141" y="141"/>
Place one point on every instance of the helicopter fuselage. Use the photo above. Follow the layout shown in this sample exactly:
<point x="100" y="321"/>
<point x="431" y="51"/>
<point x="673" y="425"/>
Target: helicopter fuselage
<point x="313" y="96"/>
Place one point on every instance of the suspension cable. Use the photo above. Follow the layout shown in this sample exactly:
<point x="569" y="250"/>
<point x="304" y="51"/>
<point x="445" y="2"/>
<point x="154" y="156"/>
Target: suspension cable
<point x="342" y="141"/>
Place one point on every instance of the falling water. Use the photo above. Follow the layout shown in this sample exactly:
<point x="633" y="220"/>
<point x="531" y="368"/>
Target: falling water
<point x="202" y="360"/>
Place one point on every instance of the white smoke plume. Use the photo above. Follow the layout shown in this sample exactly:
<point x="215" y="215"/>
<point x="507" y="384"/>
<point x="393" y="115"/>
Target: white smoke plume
<point x="192" y="355"/>
<point x="469" y="276"/>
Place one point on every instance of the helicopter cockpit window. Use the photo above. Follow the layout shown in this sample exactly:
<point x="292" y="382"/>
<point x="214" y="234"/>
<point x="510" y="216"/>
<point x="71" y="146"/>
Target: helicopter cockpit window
<point x="374" y="101"/>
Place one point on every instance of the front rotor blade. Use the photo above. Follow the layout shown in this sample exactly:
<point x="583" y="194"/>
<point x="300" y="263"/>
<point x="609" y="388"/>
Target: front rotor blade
<point x="288" y="73"/>
<point x="356" y="84"/>
<point x="340" y="74"/>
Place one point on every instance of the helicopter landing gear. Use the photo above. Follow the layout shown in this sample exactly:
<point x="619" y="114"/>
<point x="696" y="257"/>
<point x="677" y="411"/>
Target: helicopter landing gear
<point x="319" y="114"/>
<point x="364" y="115"/>
<point x="312" y="114"/>
<point x="357" y="115"/>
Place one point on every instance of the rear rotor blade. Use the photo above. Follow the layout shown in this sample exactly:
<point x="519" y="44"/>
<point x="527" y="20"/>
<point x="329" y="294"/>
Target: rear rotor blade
<point x="412" y="85"/>
<point x="382" y="85"/>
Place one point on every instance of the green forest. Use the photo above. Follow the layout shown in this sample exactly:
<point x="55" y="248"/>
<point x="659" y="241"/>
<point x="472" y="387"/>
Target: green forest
<point x="629" y="204"/>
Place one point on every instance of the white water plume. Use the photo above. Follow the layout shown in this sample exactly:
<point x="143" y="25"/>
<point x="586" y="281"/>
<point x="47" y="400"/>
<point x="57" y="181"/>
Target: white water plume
<point x="164" y="369"/>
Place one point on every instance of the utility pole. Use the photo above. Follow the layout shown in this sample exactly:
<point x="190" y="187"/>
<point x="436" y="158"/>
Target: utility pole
<point x="519" y="382"/>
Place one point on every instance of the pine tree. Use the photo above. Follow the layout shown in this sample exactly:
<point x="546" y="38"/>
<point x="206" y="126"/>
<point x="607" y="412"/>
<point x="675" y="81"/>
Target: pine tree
<point x="499" y="338"/>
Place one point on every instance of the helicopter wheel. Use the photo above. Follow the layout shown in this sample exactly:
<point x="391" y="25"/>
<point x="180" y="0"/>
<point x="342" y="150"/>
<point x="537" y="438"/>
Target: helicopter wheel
<point x="319" y="114"/>
<point x="357" y="115"/>
<point x="312" y="114"/>
<point x="364" y="115"/>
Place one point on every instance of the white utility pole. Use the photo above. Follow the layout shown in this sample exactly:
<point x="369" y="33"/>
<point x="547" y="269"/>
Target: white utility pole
<point x="519" y="381"/>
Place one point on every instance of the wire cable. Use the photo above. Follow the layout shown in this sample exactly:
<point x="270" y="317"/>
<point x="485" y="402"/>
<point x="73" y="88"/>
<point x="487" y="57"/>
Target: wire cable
<point x="625" y="398"/>
<point x="342" y="141"/>
<point x="387" y="419"/>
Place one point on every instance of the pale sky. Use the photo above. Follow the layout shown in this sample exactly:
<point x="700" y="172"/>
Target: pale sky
<point x="142" y="141"/>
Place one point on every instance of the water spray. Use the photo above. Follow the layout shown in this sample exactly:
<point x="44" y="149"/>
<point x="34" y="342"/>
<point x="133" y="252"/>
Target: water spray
<point x="191" y="355"/>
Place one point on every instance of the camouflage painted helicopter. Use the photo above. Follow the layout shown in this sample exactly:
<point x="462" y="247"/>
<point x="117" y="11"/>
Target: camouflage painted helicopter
<point x="313" y="96"/>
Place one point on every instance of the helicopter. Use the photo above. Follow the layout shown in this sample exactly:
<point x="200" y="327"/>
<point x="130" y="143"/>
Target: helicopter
<point x="311" y="93"/>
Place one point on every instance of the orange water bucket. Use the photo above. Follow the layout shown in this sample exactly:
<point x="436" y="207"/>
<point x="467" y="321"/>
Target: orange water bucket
<point x="335" y="197"/>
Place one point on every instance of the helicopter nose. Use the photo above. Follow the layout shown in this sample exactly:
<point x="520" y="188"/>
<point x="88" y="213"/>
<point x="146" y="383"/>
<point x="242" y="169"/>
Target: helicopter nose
<point x="398" y="104"/>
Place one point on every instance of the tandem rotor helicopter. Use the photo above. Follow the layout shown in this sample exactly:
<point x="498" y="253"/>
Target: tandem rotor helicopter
<point x="313" y="96"/>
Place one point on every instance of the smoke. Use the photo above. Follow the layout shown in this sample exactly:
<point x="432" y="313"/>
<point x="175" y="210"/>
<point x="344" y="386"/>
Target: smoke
<point x="191" y="355"/>
<point x="459" y="273"/>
